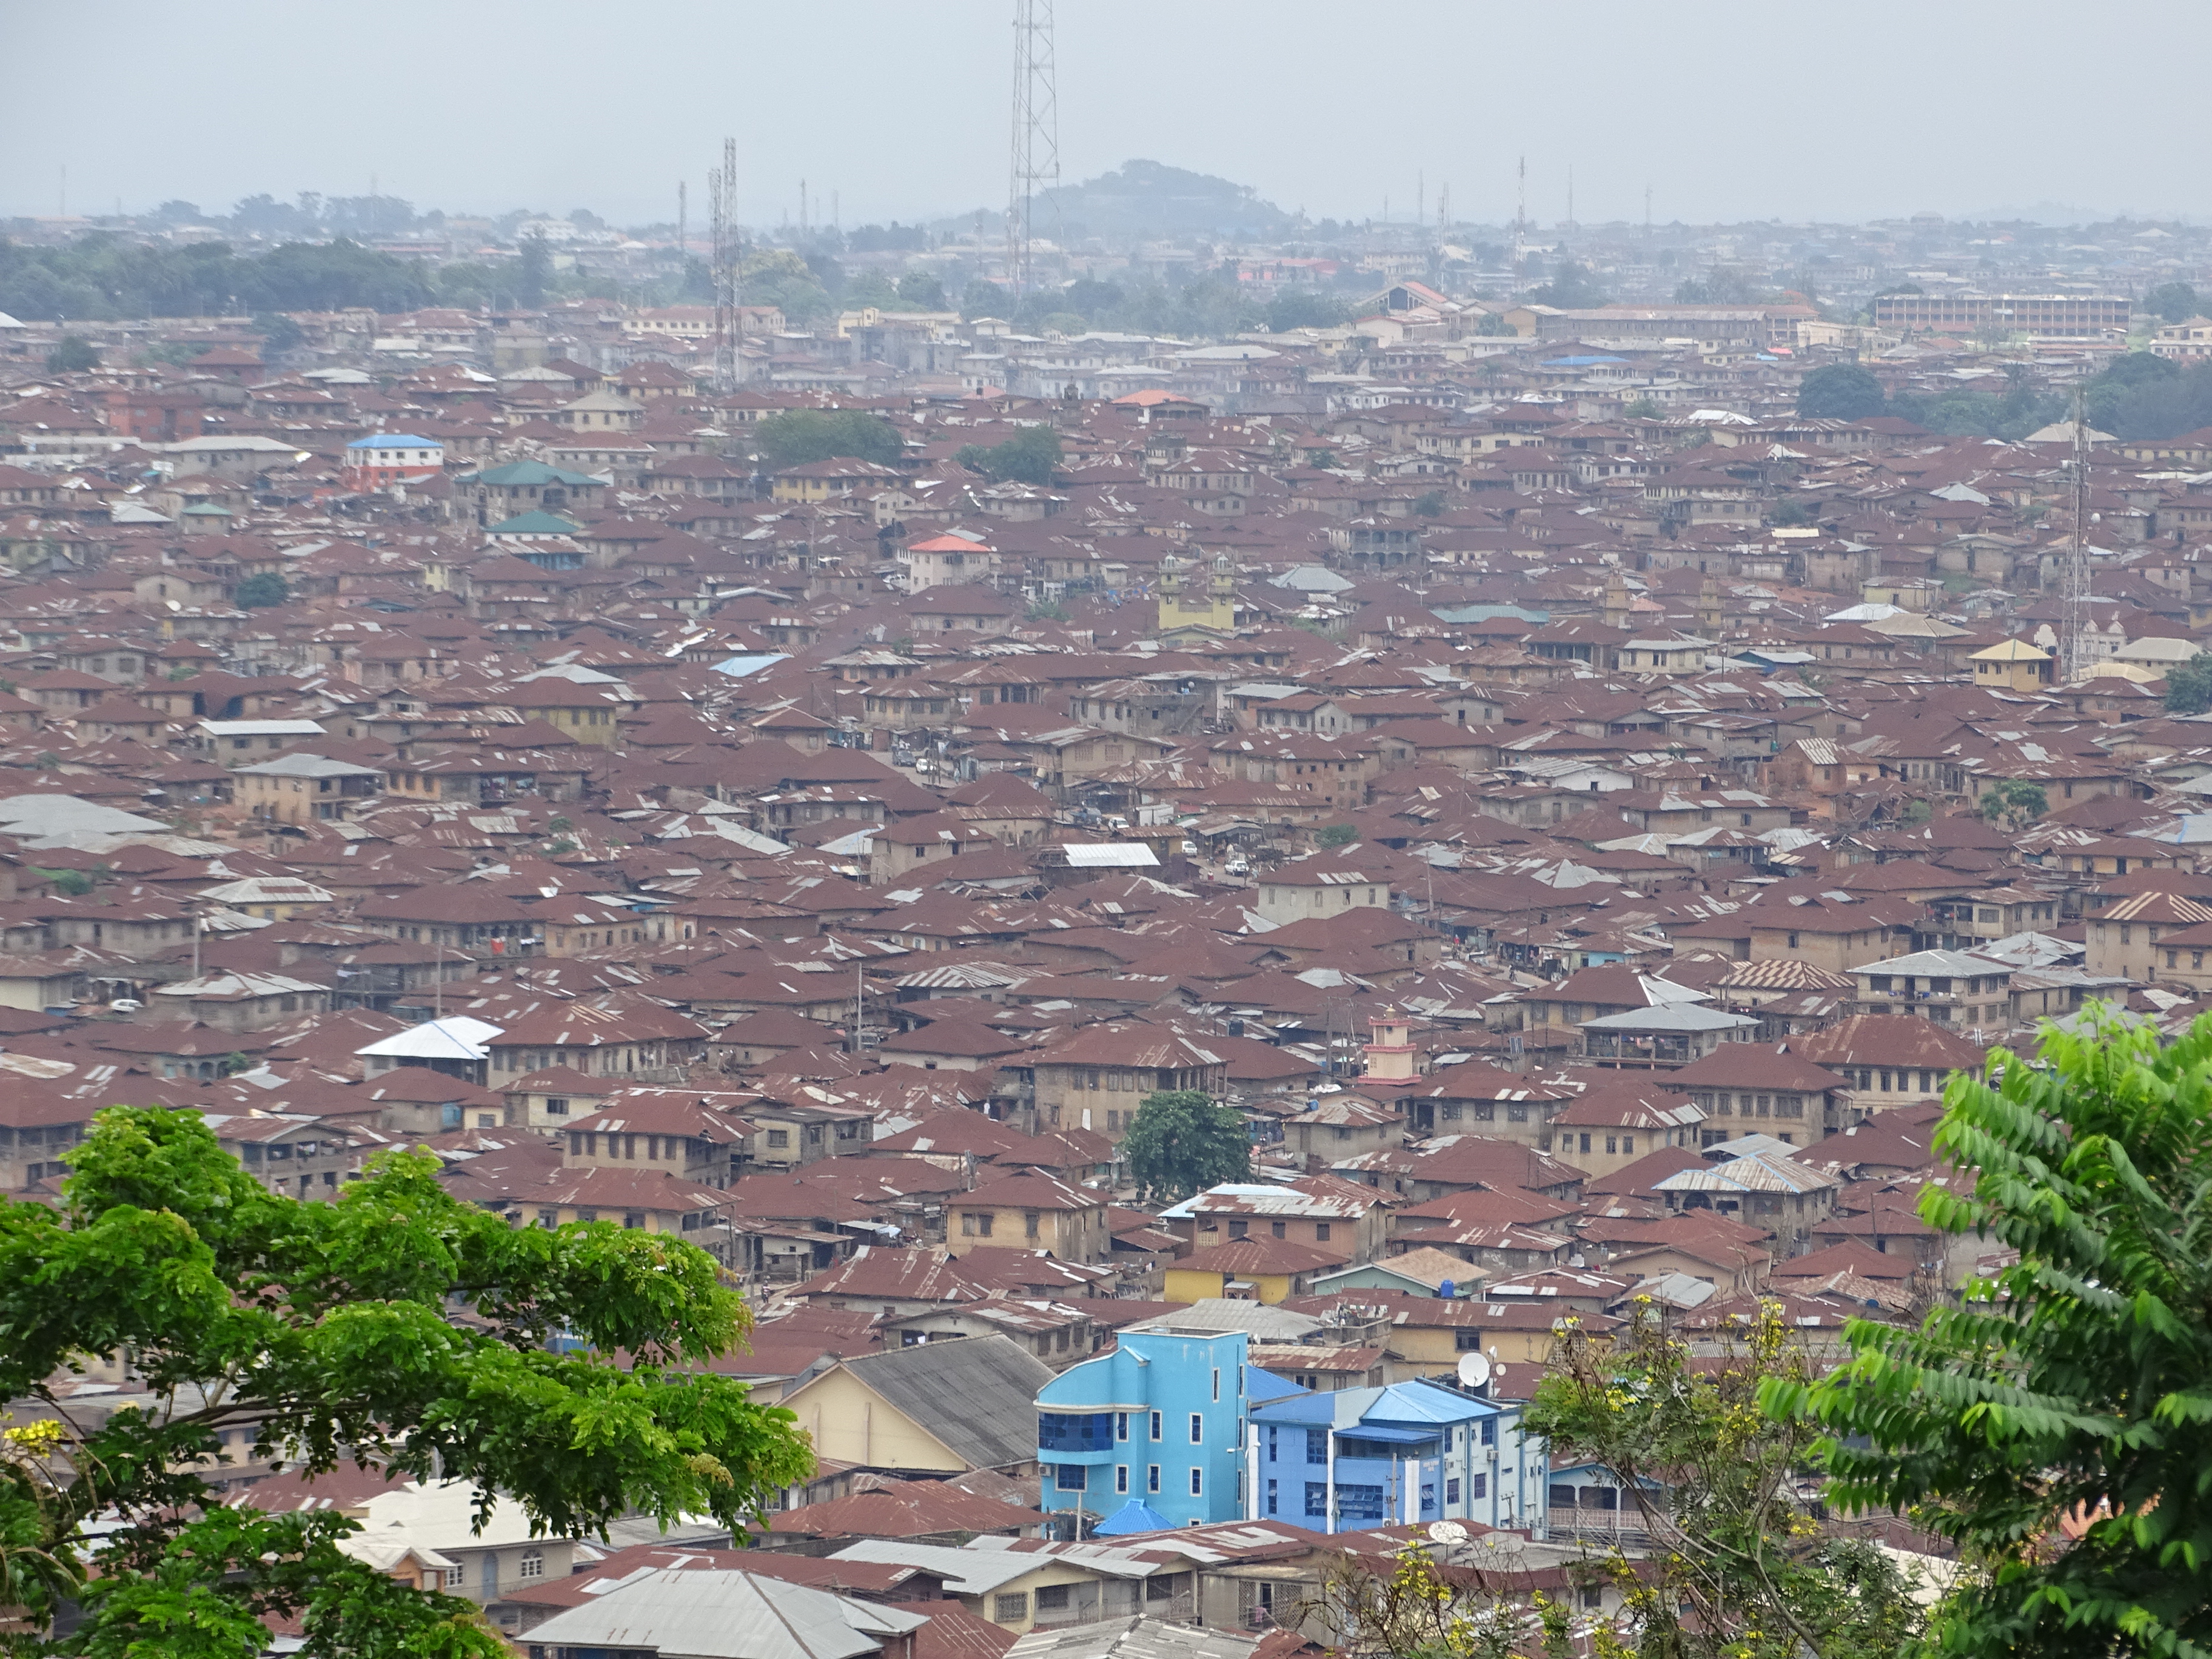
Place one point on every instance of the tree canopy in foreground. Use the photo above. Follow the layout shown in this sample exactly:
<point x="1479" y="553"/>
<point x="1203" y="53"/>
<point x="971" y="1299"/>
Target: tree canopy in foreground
<point x="2072" y="1393"/>
<point x="394" y="1326"/>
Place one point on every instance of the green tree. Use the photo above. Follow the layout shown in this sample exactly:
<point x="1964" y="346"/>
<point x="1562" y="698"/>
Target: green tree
<point x="1429" y="504"/>
<point x="268" y="588"/>
<point x="72" y="354"/>
<point x="2175" y="302"/>
<point x="1334" y="836"/>
<point x="922" y="291"/>
<point x="2014" y="801"/>
<point x="329" y="1332"/>
<point x="2189" y="686"/>
<point x="799" y="436"/>
<point x="1492" y="325"/>
<point x="1029" y="456"/>
<point x="534" y="269"/>
<point x="1572" y="288"/>
<point x="1304" y="307"/>
<point x="1181" y="1143"/>
<point x="2074" y="1385"/>
<point x="279" y="334"/>
<point x="1737" y="1569"/>
<point x="1839" y="391"/>
<point x="982" y="299"/>
<point x="74" y="884"/>
<point x="1642" y="409"/>
<point x="1790" y="512"/>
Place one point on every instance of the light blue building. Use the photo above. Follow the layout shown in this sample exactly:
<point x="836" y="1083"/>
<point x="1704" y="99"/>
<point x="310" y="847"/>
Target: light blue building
<point x="1412" y="1451"/>
<point x="1158" y="1420"/>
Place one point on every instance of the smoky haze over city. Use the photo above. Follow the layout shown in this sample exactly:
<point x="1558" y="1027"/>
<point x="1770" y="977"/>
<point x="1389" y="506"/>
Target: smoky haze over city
<point x="1265" y="791"/>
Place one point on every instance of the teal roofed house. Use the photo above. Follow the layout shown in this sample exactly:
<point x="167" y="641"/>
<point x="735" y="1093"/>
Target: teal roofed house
<point x="537" y="522"/>
<point x="496" y="494"/>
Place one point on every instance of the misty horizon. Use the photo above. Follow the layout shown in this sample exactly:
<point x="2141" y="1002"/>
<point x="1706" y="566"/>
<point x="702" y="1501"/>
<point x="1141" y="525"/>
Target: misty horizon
<point x="1958" y="112"/>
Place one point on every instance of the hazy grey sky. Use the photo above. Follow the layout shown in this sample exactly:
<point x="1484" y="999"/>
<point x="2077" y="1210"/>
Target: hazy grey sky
<point x="1727" y="111"/>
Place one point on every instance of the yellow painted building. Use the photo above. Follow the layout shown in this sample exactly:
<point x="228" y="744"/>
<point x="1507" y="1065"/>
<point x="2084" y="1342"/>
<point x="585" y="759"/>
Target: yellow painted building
<point x="1267" y="1270"/>
<point x="1189" y="601"/>
<point x="2013" y="665"/>
<point x="1030" y="1212"/>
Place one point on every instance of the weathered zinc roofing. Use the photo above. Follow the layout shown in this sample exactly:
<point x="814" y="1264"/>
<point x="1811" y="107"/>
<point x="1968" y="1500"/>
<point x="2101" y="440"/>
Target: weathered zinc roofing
<point x="728" y="1615"/>
<point x="978" y="1396"/>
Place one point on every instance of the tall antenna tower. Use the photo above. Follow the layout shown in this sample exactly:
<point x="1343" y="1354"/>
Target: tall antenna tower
<point x="1035" y="159"/>
<point x="2074" y="591"/>
<point x="1521" y="216"/>
<point x="722" y="200"/>
<point x="683" y="226"/>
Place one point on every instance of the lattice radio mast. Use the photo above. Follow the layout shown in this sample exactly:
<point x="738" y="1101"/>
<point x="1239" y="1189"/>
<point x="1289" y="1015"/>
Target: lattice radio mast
<point x="1035" y="159"/>
<point x="729" y="326"/>
<point x="2074" y="588"/>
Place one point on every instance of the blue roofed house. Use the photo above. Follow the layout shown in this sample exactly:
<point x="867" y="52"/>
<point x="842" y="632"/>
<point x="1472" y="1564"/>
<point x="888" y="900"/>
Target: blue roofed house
<point x="1158" y="1420"/>
<point x="1413" y="1451"/>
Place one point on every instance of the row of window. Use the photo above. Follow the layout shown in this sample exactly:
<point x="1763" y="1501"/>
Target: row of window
<point x="1075" y="1477"/>
<point x="1363" y="1502"/>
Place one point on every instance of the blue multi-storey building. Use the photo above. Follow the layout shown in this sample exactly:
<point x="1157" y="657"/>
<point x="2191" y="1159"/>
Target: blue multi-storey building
<point x="1412" y="1451"/>
<point x="1159" y="1420"/>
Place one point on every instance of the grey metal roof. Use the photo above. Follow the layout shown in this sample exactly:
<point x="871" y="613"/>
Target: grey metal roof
<point x="1130" y="1638"/>
<point x="1677" y="1017"/>
<point x="1215" y="1314"/>
<point x="705" y="1614"/>
<point x="978" y="1396"/>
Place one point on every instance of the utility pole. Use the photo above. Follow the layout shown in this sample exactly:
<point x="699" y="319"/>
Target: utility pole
<point x="1035" y="158"/>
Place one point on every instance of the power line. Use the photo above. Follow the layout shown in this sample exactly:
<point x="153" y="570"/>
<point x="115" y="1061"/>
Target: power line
<point x="1035" y="163"/>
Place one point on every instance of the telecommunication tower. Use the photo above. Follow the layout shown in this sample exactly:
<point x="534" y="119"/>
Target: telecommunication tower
<point x="729" y="327"/>
<point x="2073" y="587"/>
<point x="1035" y="160"/>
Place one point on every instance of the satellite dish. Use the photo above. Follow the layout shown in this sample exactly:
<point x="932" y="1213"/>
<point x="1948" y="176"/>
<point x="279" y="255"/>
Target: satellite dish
<point x="1474" y="1369"/>
<point x="1446" y="1532"/>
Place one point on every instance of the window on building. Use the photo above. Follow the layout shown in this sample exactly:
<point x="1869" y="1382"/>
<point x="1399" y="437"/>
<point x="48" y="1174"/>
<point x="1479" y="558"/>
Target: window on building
<point x="1120" y="1477"/>
<point x="1069" y="1477"/>
<point x="1010" y="1609"/>
<point x="1451" y="1491"/>
<point x="532" y="1565"/>
<point x="1198" y="1428"/>
<point x="1152" y="1477"/>
<point x="1316" y="1445"/>
<point x="1317" y="1497"/>
<point x="1158" y="1432"/>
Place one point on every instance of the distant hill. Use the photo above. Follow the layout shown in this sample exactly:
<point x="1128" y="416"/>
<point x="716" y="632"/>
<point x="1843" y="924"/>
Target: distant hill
<point x="1149" y="198"/>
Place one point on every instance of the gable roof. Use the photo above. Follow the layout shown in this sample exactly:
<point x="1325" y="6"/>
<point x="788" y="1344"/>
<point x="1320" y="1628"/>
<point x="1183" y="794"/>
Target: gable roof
<point x="977" y="1396"/>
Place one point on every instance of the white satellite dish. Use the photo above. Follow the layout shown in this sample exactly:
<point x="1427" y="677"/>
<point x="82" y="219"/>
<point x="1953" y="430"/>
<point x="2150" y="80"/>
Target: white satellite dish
<point x="1474" y="1369"/>
<point x="1446" y="1532"/>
